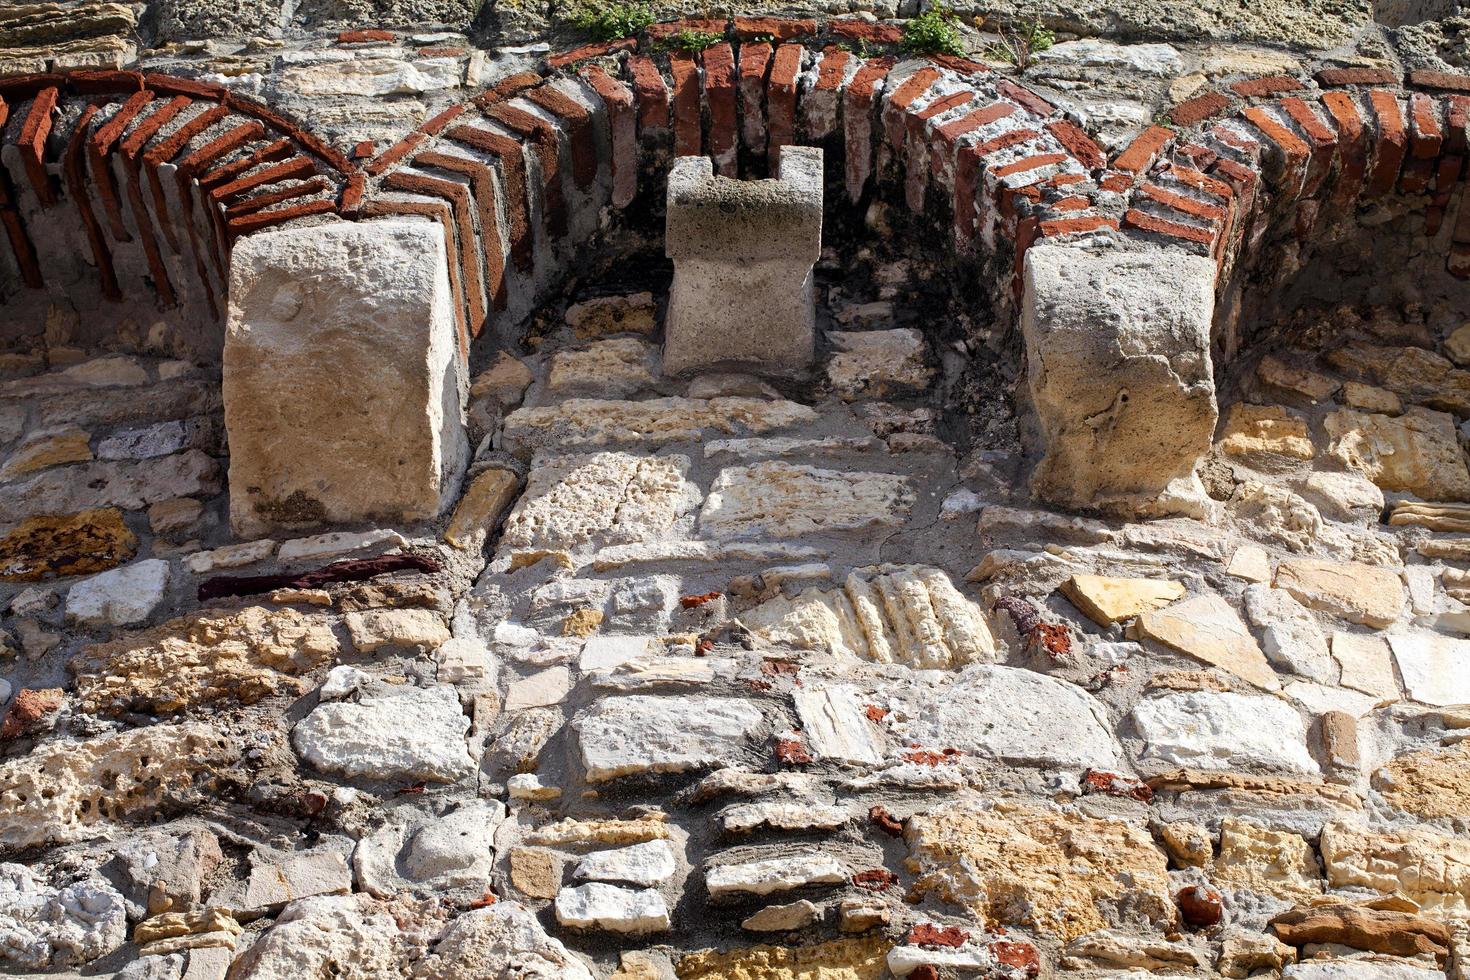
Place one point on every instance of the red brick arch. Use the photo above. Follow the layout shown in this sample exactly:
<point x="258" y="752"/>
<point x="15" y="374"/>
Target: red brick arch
<point x="108" y="145"/>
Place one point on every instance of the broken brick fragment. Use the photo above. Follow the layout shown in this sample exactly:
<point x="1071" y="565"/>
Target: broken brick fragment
<point x="928" y="934"/>
<point x="1200" y="905"/>
<point x="875" y="879"/>
<point x="885" y="821"/>
<point x="790" y="752"/>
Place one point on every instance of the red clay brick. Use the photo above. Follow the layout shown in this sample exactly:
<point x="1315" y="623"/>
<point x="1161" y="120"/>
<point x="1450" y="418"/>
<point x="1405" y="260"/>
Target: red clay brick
<point x="20" y="245"/>
<point x="458" y="197"/>
<point x="1179" y="202"/>
<point x="1352" y="148"/>
<point x="482" y="187"/>
<point x="1076" y="142"/>
<point x="1026" y="164"/>
<point x="755" y="65"/>
<point x="1337" y="77"/>
<point x="910" y="90"/>
<point x="1196" y="154"/>
<point x="1196" y="110"/>
<point x="959" y="65"/>
<point x="226" y="172"/>
<point x="1322" y="137"/>
<point x="169" y="147"/>
<point x="354" y="189"/>
<point x="1295" y="153"/>
<point x="1457" y="123"/>
<point x="600" y="49"/>
<point x="942" y="105"/>
<point x="1140" y="154"/>
<point x="966" y="194"/>
<point x="581" y="138"/>
<point x="720" y="97"/>
<point x="148" y="128"/>
<point x="1074" y="203"/>
<point x="260" y="202"/>
<point x="508" y="88"/>
<point x="688" y="130"/>
<point x="1024" y="97"/>
<point x="1392" y="142"/>
<point x="1115" y="183"/>
<point x="32" y="145"/>
<point x="394" y="154"/>
<point x="268" y="219"/>
<point x="513" y="179"/>
<point x="156" y="269"/>
<point x="1448" y="81"/>
<point x="99" y="147"/>
<point x="700" y="25"/>
<point x="440" y="122"/>
<point x="364" y="150"/>
<point x="1266" y="86"/>
<point x="853" y="29"/>
<point x="652" y="94"/>
<point x="544" y="142"/>
<point x="781" y="100"/>
<point x="76" y="185"/>
<point x="774" y="28"/>
<point x="1237" y="141"/>
<point x="18" y="88"/>
<point x="98" y="82"/>
<point x="1006" y="140"/>
<point x="623" y="123"/>
<point x="857" y="122"/>
<point x="1143" y="221"/>
<point x="365" y="37"/>
<point x="941" y="146"/>
<point x="1075" y="226"/>
<point x="173" y="85"/>
<point x="289" y="128"/>
<point x="1426" y="136"/>
<point x="452" y="52"/>
<point x="1202" y="182"/>
<point x="297" y="168"/>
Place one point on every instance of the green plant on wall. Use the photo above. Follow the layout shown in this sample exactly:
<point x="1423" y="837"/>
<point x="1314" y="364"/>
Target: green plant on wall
<point x="935" y="31"/>
<point x="611" y="21"/>
<point x="692" y="41"/>
<point x="1018" y="46"/>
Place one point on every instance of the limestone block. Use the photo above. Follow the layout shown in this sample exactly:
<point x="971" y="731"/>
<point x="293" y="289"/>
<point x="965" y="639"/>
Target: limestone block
<point x="603" y="369"/>
<point x="1268" y="862"/>
<point x="504" y="940"/>
<point x="119" y="597"/>
<point x="352" y="935"/>
<point x="1208" y="628"/>
<point x="301" y="876"/>
<point x="876" y="363"/>
<point x="429" y="855"/>
<point x="783" y="918"/>
<point x="1365" y="664"/>
<point x="342" y="383"/>
<point x="1358" y="593"/>
<point x="1037" y="866"/>
<point x="765" y="877"/>
<point x="743" y="253"/>
<point x="1425" y="866"/>
<point x="834" y="725"/>
<point x="1290" y="637"/>
<point x="1265" y="429"/>
<point x="1106" y="600"/>
<point x="1435" y="669"/>
<point x="1213" y="730"/>
<point x="595" y="422"/>
<point x="373" y="629"/>
<point x="602" y="906"/>
<point x="1430" y="783"/>
<point x="46" y="927"/>
<point x="621" y="736"/>
<point x="202" y="658"/>
<point x="63" y="791"/>
<point x="603" y="316"/>
<point x="907" y="614"/>
<point x="784" y="500"/>
<point x="1119" y="372"/>
<point x="840" y="959"/>
<point x="648" y="864"/>
<point x="1417" y="452"/>
<point x="129" y="484"/>
<point x="51" y="447"/>
<point x="418" y="733"/>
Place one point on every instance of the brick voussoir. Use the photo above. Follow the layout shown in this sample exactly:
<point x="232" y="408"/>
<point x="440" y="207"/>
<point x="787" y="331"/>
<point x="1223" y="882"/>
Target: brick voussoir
<point x="514" y="186"/>
<point x="1391" y="144"/>
<point x="617" y="100"/>
<point x="577" y="122"/>
<point x="1143" y="221"/>
<point x="546" y="143"/>
<point x="296" y="168"/>
<point x="652" y="94"/>
<point x="781" y="100"/>
<point x="229" y="172"/>
<point x="76" y="183"/>
<point x="685" y="102"/>
<point x="454" y="216"/>
<point x="32" y="143"/>
<point x="487" y="203"/>
<point x="721" y="97"/>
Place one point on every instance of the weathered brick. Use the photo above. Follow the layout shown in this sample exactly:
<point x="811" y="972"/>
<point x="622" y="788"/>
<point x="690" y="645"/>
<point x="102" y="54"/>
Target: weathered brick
<point x="617" y="99"/>
<point x="99" y="148"/>
<point x="1266" y="86"/>
<point x="508" y="88"/>
<point x="966" y="194"/>
<point x="581" y="138"/>
<point x="698" y="25"/>
<point x="908" y="91"/>
<point x="1056" y="227"/>
<point x="148" y="128"/>
<point x="1179" y="202"/>
<point x="720" y="97"/>
<point x="688" y="136"/>
<point x="89" y="82"/>
<point x="32" y="144"/>
<point x="1457" y="125"/>
<point x="1196" y="155"/>
<point x="395" y="154"/>
<point x="482" y="188"/>
<point x="1202" y="182"/>
<point x="1076" y="142"/>
<point x="436" y="124"/>
<point x="1144" y="221"/>
<point x="1027" y="164"/>
<point x="1447" y="81"/>
<point x="1024" y="97"/>
<point x="291" y="129"/>
<point x="21" y="248"/>
<point x="1141" y="153"/>
<point x="946" y="136"/>
<point x="76" y="186"/>
<point x="1323" y="140"/>
<point x="1392" y="141"/>
<point x="1006" y="140"/>
<point x="1292" y="152"/>
<point x="18" y="88"/>
<point x="774" y="28"/>
<point x="598" y="49"/>
<point x="365" y="37"/>
<point x="852" y="29"/>
<point x="820" y="105"/>
<point x="157" y="271"/>
<point x="1426" y="135"/>
<point x="755" y="65"/>
<point x="1337" y="77"/>
<point x="229" y="172"/>
<point x="1196" y="110"/>
<point x="260" y="202"/>
<point x="959" y="65"/>
<point x="296" y="168"/>
<point x="858" y="100"/>
<point x="781" y="100"/>
<point x="513" y="189"/>
<point x="174" y="85"/>
<point x="1352" y="149"/>
<point x="547" y="148"/>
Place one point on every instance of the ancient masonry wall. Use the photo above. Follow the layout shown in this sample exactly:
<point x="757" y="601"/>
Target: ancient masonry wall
<point x="520" y="175"/>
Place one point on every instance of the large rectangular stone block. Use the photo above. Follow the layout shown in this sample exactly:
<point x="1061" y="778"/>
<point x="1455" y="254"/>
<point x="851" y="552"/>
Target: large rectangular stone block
<point x="743" y="253"/>
<point x="342" y="381"/>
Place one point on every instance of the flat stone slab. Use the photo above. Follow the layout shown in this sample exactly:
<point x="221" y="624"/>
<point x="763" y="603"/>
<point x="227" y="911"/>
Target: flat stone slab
<point x="1212" y="730"/>
<point x="787" y="500"/>
<point x="601" y="906"/>
<point x="416" y="734"/>
<point x="637" y="734"/>
<point x="773" y="875"/>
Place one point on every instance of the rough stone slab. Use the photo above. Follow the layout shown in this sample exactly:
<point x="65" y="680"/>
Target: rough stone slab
<point x="622" y="736"/>
<point x="1366" y="594"/>
<point x="1106" y="600"/>
<point x="835" y="726"/>
<point x="1435" y="669"/>
<point x="418" y="733"/>
<point x="765" y="877"/>
<point x="786" y="500"/>
<point x="504" y="940"/>
<point x="341" y="376"/>
<point x="1417" y="452"/>
<point x="1208" y="628"/>
<point x="601" y="906"/>
<point x="589" y="423"/>
<point x="1212" y="730"/>
<point x="648" y="864"/>
<point x="119" y="597"/>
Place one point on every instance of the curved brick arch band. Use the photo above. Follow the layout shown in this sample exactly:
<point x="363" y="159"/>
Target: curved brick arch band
<point x="173" y="167"/>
